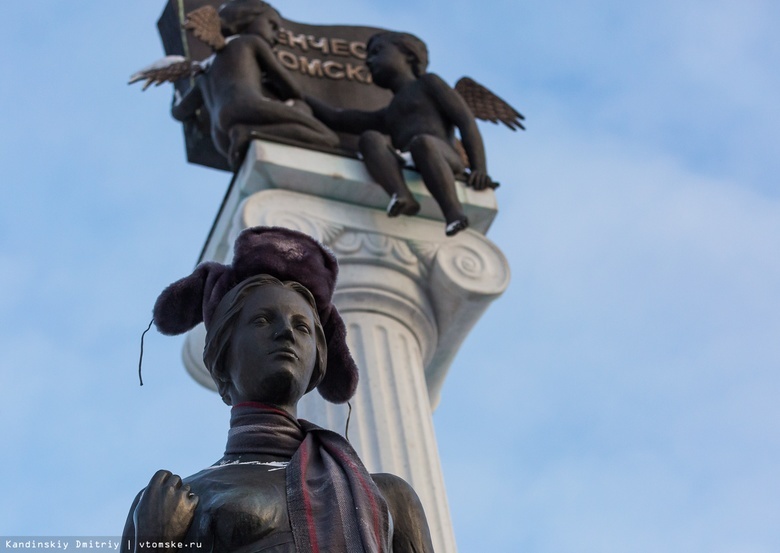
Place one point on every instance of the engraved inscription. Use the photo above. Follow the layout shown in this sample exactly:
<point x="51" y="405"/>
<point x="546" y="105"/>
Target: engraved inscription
<point x="311" y="65"/>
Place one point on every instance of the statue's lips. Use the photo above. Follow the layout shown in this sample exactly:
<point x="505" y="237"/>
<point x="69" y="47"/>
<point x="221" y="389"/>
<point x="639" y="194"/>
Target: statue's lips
<point x="285" y="352"/>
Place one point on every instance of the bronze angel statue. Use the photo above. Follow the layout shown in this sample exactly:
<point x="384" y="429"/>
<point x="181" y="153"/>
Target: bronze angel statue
<point x="420" y="120"/>
<point x="234" y="82"/>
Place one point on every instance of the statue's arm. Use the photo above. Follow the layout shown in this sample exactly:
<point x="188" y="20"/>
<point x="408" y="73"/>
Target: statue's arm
<point x="455" y="109"/>
<point x="353" y="121"/>
<point x="161" y="512"/>
<point x="277" y="73"/>
<point x="410" y="527"/>
<point x="128" y="534"/>
<point x="188" y="105"/>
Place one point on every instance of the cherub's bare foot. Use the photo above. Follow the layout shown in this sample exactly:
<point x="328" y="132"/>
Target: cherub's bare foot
<point x="402" y="206"/>
<point x="456" y="226"/>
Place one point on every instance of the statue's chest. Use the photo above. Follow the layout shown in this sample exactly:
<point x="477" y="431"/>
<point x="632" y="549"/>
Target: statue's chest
<point x="410" y="100"/>
<point x="239" y="506"/>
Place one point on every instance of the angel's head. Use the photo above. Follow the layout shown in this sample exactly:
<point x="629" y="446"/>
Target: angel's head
<point x="411" y="47"/>
<point x="251" y="17"/>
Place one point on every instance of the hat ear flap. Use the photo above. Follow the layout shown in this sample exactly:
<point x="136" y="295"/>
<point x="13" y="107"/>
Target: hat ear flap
<point x="180" y="306"/>
<point x="321" y="364"/>
<point x="341" y="378"/>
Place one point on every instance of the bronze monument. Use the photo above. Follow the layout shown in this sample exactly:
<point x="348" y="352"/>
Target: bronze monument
<point x="371" y="87"/>
<point x="420" y="120"/>
<point x="243" y="86"/>
<point x="283" y="484"/>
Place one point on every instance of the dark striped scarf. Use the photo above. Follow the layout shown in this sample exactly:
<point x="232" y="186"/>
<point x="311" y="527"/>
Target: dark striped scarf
<point x="332" y="501"/>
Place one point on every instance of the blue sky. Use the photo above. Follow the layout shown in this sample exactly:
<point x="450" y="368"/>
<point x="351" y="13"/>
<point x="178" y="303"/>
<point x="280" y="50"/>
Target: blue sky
<point x="621" y="396"/>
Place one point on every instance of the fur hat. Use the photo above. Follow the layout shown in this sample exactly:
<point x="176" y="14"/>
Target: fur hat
<point x="287" y="255"/>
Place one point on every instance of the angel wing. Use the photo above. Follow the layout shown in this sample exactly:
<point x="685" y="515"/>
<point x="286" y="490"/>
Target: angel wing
<point x="487" y="106"/>
<point x="166" y="70"/>
<point x="205" y="24"/>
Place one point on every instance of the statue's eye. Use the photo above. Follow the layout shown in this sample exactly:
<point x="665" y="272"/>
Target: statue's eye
<point x="303" y="327"/>
<point x="260" y="320"/>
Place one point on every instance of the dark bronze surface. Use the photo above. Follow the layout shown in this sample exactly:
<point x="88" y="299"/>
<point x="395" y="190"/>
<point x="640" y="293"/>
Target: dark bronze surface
<point x="420" y="119"/>
<point x="241" y="502"/>
<point x="324" y="61"/>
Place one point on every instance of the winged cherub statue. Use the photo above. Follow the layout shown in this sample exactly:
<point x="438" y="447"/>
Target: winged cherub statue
<point x="421" y="119"/>
<point x="230" y="83"/>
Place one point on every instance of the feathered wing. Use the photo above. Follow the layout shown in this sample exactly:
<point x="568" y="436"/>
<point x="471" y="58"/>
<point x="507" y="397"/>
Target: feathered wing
<point x="204" y="23"/>
<point x="166" y="70"/>
<point x="487" y="106"/>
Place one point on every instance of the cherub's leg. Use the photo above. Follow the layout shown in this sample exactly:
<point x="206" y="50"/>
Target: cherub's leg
<point x="382" y="164"/>
<point x="298" y="125"/>
<point x="286" y="121"/>
<point x="240" y="136"/>
<point x="300" y="133"/>
<point x="438" y="163"/>
<point x="221" y="140"/>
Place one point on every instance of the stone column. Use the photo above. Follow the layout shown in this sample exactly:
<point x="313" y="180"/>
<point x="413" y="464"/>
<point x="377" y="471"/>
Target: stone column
<point x="408" y="295"/>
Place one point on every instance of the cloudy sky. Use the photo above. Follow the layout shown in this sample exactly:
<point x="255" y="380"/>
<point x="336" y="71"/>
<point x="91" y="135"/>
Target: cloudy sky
<point x="622" y="396"/>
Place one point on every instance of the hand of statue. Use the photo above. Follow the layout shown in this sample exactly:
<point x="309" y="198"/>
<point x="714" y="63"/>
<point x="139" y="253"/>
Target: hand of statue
<point x="480" y="180"/>
<point x="165" y="510"/>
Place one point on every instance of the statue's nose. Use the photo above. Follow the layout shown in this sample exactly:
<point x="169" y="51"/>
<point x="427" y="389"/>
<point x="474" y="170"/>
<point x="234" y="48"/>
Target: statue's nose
<point x="284" y="332"/>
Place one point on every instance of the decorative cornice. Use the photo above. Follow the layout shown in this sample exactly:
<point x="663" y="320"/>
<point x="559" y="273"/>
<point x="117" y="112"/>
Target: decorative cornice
<point x="324" y="230"/>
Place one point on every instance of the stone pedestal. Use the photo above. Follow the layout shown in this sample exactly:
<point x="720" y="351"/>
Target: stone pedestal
<point x="408" y="294"/>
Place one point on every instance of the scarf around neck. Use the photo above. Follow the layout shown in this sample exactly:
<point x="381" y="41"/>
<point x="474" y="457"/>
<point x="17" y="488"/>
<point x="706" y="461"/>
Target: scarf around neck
<point x="332" y="502"/>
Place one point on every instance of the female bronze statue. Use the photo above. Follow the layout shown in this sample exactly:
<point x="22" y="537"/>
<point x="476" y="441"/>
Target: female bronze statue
<point x="284" y="485"/>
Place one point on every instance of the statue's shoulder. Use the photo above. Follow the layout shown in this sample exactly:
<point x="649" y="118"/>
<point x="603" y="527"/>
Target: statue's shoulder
<point x="398" y="493"/>
<point x="437" y="88"/>
<point x="252" y="473"/>
<point x="392" y="483"/>
<point x="411" y="532"/>
<point x="433" y="80"/>
<point x="248" y="39"/>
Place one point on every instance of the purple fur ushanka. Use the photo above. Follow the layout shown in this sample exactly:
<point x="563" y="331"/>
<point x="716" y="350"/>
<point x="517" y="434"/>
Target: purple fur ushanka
<point x="282" y="253"/>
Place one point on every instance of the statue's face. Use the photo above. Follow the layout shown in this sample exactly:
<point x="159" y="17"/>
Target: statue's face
<point x="251" y="16"/>
<point x="385" y="60"/>
<point x="273" y="348"/>
<point x="268" y="27"/>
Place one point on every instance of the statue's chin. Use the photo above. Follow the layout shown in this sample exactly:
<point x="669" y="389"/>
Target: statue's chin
<point x="280" y="388"/>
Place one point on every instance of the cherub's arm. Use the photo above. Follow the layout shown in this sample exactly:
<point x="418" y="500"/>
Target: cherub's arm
<point x="347" y="120"/>
<point x="277" y="73"/>
<point x="410" y="527"/>
<point x="188" y="105"/>
<point x="459" y="114"/>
